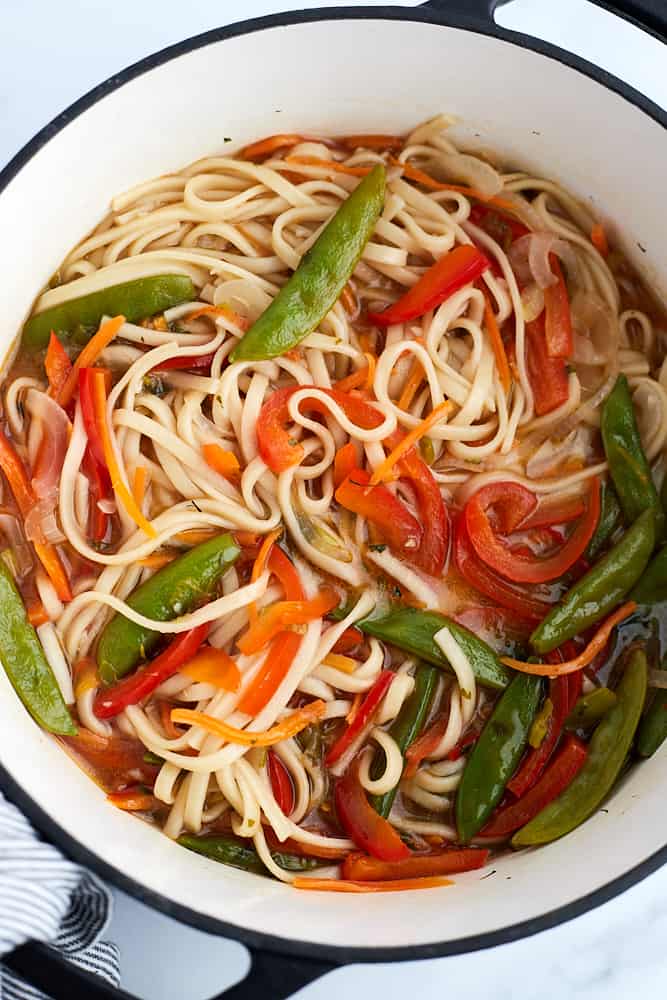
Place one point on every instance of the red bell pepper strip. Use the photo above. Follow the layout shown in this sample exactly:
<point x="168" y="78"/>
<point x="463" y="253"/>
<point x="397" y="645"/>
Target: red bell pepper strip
<point x="381" y="507"/>
<point x="100" y="489"/>
<point x="344" y="463"/>
<point x="367" y="710"/>
<point x="348" y="641"/>
<point x="362" y="868"/>
<point x="112" y="700"/>
<point x="198" y="362"/>
<point x="466" y="741"/>
<point x="424" y="745"/>
<point x="566" y="765"/>
<point x="433" y="514"/>
<point x="537" y="758"/>
<point x="57" y="366"/>
<point x="368" y="829"/>
<point x="512" y="564"/>
<point x="461" y="266"/>
<point x="547" y="376"/>
<point x="558" y="321"/>
<point x="549" y="513"/>
<point x="509" y="595"/>
<point x="276" y="446"/>
<point x="281" y="783"/>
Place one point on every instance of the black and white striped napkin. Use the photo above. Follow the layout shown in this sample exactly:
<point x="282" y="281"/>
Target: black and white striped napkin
<point x="44" y="897"/>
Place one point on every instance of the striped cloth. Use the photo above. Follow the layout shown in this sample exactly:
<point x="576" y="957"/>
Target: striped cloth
<point x="47" y="898"/>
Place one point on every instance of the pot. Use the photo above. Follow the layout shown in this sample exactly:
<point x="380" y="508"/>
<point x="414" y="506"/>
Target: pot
<point x="334" y="71"/>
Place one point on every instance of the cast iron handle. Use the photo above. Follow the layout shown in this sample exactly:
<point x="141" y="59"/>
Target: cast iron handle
<point x="269" y="975"/>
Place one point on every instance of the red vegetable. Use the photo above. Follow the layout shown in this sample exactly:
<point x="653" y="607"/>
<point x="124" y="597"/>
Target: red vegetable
<point x="433" y="516"/>
<point x="558" y="321"/>
<point x="276" y="446"/>
<point x="114" y="699"/>
<point x="281" y="783"/>
<point x="556" y="778"/>
<point x="547" y="376"/>
<point x="381" y="507"/>
<point x="537" y="758"/>
<point x="459" y="267"/>
<point x="360" y="821"/>
<point x="502" y="228"/>
<point x="424" y="745"/>
<point x="515" y="565"/>
<point x="548" y="513"/>
<point x="199" y="362"/>
<point x="57" y="366"/>
<point x="519" y="599"/>
<point x="367" y="710"/>
<point x="362" y="868"/>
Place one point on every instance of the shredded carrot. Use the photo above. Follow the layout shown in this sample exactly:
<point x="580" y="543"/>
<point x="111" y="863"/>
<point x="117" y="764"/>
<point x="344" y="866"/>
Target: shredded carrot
<point x="586" y="656"/>
<point x="139" y="484"/>
<point x="213" y="666"/>
<point x="383" y="470"/>
<point x="264" y="147"/>
<point x="282" y="615"/>
<point x="497" y="343"/>
<point x="89" y="356"/>
<point x="260" y="562"/>
<point x="171" y="731"/>
<point x="132" y="801"/>
<point x="412" y="383"/>
<point x="224" y="310"/>
<point x="339" y="662"/>
<point x="333" y="165"/>
<point x="221" y="460"/>
<point x="371" y="141"/>
<point x="247" y="539"/>
<point x="283" y="730"/>
<point x="345" y="885"/>
<point x="354" y="380"/>
<point x="344" y="462"/>
<point x="349" y="300"/>
<point x="599" y="239"/>
<point x="195" y="536"/>
<point x="37" y="614"/>
<point x="117" y="481"/>
<point x="354" y="708"/>
<point x="86" y="677"/>
<point x="421" y="177"/>
<point x="157" y="560"/>
<point x="57" y="365"/>
<point x="372" y="362"/>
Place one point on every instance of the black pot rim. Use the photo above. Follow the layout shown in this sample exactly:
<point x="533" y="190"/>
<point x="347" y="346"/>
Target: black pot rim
<point x="444" y="16"/>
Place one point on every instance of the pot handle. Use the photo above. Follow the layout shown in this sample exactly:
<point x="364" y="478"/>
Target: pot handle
<point x="649" y="15"/>
<point x="270" y="975"/>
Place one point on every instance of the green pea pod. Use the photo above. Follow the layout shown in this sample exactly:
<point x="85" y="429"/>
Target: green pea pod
<point x="406" y="727"/>
<point x="653" y="726"/>
<point x="228" y="851"/>
<point x="134" y="300"/>
<point x="607" y="750"/>
<point x="590" y="708"/>
<point x="610" y="518"/>
<point x="413" y="630"/>
<point x="172" y="591"/>
<point x="26" y="665"/>
<point x="601" y="589"/>
<point x="495" y="756"/>
<point x="652" y="586"/>
<point x="628" y="465"/>
<point x="323" y="272"/>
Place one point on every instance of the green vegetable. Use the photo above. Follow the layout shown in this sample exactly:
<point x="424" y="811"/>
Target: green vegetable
<point x="590" y="708"/>
<point x="601" y="589"/>
<point x="413" y="630"/>
<point x="653" y="726"/>
<point x="652" y="587"/>
<point x="134" y="300"/>
<point x="406" y="727"/>
<point x="172" y="591"/>
<point x="628" y="465"/>
<point x="494" y="757"/>
<point x="607" y="750"/>
<point x="538" y="729"/>
<point x="315" y="286"/>
<point x="610" y="518"/>
<point x="229" y="851"/>
<point x="26" y="665"/>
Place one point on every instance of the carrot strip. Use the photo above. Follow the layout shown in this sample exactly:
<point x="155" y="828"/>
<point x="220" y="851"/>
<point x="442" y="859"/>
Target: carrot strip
<point x="171" y="731"/>
<point x="195" y="536"/>
<point x="415" y="174"/>
<point x="157" y="560"/>
<point x="117" y="481"/>
<point x="344" y="462"/>
<point x="221" y="460"/>
<point x="213" y="666"/>
<point x="333" y="165"/>
<point x="599" y="239"/>
<point x="493" y="331"/>
<point x="281" y="616"/>
<point x="340" y="662"/>
<point x="89" y="356"/>
<point x="354" y="380"/>
<point x="139" y="484"/>
<point x="371" y="141"/>
<point x="86" y="677"/>
<point x="132" y="801"/>
<point x="264" y="147"/>
<point x="343" y="885"/>
<point x="383" y="470"/>
<point x="57" y="365"/>
<point x="413" y="381"/>
<point x="222" y="310"/>
<point x="37" y="614"/>
<point x="586" y="656"/>
<point x="354" y="708"/>
<point x="283" y="730"/>
<point x="259" y="565"/>
<point x="247" y="539"/>
<point x="349" y="300"/>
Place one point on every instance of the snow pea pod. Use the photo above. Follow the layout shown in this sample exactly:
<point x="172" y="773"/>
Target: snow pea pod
<point x="25" y="663"/>
<point x="315" y="286"/>
<point x="610" y="518"/>
<point x="601" y="589"/>
<point x="628" y="465"/>
<point x="413" y="630"/>
<point x="228" y="851"/>
<point x="134" y="300"/>
<point x="406" y="727"/>
<point x="590" y="708"/>
<point x="496" y="753"/>
<point x="652" y="587"/>
<point x="653" y="726"/>
<point x="607" y="750"/>
<point x="172" y="591"/>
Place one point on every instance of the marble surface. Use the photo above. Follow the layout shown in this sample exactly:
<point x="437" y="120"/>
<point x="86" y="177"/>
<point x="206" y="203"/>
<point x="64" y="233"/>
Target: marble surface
<point x="51" y="54"/>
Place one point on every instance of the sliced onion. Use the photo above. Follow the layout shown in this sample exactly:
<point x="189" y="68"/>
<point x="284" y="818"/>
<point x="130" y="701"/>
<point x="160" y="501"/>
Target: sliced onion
<point x="596" y="329"/>
<point x="551" y="454"/>
<point x="532" y="301"/>
<point x="51" y="455"/>
<point x="107" y="506"/>
<point x="41" y="525"/>
<point x="533" y="250"/>
<point x="657" y="678"/>
<point x="11" y="529"/>
<point x="470" y="169"/>
<point x="318" y="533"/>
<point x="244" y="296"/>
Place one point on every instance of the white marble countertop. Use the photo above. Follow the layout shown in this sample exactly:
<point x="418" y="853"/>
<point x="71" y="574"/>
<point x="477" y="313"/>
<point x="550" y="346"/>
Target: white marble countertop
<point x="51" y="54"/>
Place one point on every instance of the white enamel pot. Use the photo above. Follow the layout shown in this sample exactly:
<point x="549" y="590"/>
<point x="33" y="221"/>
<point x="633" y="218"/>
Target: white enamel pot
<point x="333" y="71"/>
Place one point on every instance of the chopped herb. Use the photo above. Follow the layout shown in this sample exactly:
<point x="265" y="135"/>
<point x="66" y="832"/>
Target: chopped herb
<point x="377" y="548"/>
